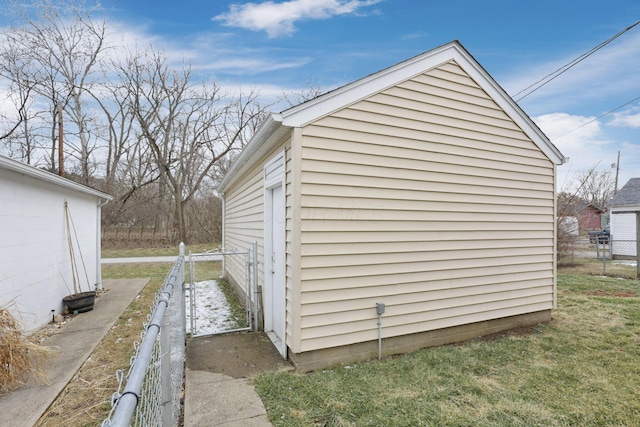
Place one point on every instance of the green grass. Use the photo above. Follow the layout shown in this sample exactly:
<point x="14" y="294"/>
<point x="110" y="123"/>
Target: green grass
<point x="139" y="252"/>
<point x="610" y="268"/>
<point x="236" y="306"/>
<point x="580" y="369"/>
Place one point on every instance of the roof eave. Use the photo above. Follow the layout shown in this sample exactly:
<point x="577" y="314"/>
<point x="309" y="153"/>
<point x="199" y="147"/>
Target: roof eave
<point x="51" y="178"/>
<point x="266" y="137"/>
<point x="276" y="125"/>
<point x="325" y="104"/>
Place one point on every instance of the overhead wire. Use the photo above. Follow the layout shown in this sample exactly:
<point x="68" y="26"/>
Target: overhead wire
<point x="551" y="76"/>
<point x="597" y="118"/>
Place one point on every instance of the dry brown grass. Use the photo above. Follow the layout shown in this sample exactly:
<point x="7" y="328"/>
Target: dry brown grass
<point x="20" y="357"/>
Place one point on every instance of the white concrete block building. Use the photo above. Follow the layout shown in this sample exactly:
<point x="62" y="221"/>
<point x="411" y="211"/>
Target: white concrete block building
<point x="35" y="260"/>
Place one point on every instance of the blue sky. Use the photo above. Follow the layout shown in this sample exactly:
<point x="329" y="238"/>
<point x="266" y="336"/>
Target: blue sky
<point x="290" y="45"/>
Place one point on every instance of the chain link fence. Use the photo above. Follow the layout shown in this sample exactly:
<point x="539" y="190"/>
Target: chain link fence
<point x="624" y="248"/>
<point x="149" y="394"/>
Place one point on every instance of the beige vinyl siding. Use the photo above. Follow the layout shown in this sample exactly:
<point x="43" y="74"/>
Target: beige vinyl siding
<point x="243" y="223"/>
<point x="244" y="220"/>
<point x="291" y="265"/>
<point x="426" y="197"/>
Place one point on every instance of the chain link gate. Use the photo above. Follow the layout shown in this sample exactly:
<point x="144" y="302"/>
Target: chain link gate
<point x="212" y="305"/>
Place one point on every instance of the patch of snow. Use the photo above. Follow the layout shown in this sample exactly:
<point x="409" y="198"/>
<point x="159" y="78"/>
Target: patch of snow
<point x="626" y="262"/>
<point x="212" y="312"/>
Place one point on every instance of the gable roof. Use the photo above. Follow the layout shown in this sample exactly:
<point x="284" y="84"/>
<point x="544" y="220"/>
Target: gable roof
<point x="628" y="195"/>
<point x="28" y="170"/>
<point x="584" y="205"/>
<point x="276" y="126"/>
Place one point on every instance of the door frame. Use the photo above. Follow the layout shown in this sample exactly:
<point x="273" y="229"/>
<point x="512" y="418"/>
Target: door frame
<point x="274" y="176"/>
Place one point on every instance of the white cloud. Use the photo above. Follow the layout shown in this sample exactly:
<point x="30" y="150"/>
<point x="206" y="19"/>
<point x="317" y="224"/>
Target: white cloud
<point x="278" y="19"/>
<point x="628" y="118"/>
<point x="581" y="140"/>
<point x="416" y="35"/>
<point x="248" y="64"/>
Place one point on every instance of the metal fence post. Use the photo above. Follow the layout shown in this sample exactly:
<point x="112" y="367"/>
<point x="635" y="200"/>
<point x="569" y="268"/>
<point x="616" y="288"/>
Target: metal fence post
<point x="181" y="254"/>
<point x="638" y="244"/>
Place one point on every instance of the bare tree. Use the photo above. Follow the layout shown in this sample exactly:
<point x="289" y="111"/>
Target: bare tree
<point x="58" y="45"/>
<point x="596" y="186"/>
<point x="148" y="133"/>
<point x="293" y="99"/>
<point x="188" y="127"/>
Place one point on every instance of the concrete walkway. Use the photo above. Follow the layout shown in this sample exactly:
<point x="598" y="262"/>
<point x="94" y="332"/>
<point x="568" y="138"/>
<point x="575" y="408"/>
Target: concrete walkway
<point x="75" y="342"/>
<point x="218" y="389"/>
<point x="220" y="400"/>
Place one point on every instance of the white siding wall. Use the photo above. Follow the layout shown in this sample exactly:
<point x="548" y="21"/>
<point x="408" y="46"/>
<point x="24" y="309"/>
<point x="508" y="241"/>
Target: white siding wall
<point x="428" y="198"/>
<point x="623" y="233"/>
<point x="35" y="269"/>
<point x="244" y="219"/>
<point x="244" y="223"/>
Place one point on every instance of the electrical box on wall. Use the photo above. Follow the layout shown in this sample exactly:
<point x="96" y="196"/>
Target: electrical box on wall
<point x="380" y="308"/>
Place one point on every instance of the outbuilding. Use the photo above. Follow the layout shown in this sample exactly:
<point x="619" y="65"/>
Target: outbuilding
<point x="624" y="207"/>
<point x="590" y="217"/>
<point x="49" y="225"/>
<point x="410" y="208"/>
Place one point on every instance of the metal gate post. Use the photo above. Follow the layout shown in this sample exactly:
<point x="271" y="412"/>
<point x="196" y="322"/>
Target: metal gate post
<point x="182" y="299"/>
<point x="192" y="294"/>
<point x="247" y="299"/>
<point x="181" y="253"/>
<point x="256" y="304"/>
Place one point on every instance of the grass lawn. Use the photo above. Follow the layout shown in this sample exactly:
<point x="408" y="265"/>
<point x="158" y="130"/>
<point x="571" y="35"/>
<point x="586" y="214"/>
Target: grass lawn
<point x="148" y="252"/>
<point x="580" y="369"/>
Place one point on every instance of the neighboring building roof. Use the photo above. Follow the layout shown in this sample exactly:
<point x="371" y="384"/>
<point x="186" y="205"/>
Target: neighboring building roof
<point x="25" y="169"/>
<point x="628" y="195"/>
<point x="582" y="206"/>
<point x="276" y="126"/>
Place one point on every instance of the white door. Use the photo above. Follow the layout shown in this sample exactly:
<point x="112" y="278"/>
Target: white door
<point x="275" y="291"/>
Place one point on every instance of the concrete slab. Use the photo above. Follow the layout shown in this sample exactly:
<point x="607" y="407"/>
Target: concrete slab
<point x="218" y="389"/>
<point x="238" y="355"/>
<point x="75" y="342"/>
<point x="217" y="399"/>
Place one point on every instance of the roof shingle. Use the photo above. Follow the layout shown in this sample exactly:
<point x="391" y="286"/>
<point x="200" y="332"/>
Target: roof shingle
<point x="628" y="195"/>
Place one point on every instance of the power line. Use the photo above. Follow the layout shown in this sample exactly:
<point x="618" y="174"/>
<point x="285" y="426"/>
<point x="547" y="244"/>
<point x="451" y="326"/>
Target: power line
<point x="549" y="77"/>
<point x="598" y="118"/>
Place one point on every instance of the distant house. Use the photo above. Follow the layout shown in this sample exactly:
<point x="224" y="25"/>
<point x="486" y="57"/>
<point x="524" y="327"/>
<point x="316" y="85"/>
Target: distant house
<point x="623" y="208"/>
<point x="423" y="187"/>
<point x="589" y="217"/>
<point x="35" y="264"/>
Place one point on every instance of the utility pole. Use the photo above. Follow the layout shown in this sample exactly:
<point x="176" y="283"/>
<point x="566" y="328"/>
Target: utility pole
<point x="60" y="136"/>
